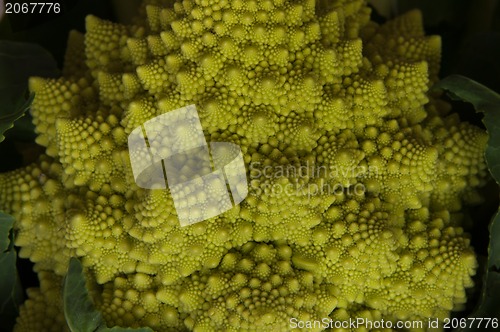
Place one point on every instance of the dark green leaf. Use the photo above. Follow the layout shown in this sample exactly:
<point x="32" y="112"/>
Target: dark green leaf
<point x="6" y="223"/>
<point x="19" y="61"/>
<point x="9" y="282"/>
<point x="79" y="310"/>
<point x="494" y="259"/>
<point x="487" y="102"/>
<point x="11" y="294"/>
<point x="12" y="112"/>
<point x="24" y="129"/>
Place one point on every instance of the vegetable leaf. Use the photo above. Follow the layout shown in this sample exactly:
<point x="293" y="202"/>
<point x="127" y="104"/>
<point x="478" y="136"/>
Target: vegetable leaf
<point x="487" y="102"/>
<point x="79" y="310"/>
<point x="13" y="111"/>
<point x="6" y="223"/>
<point x="19" y="61"/>
<point x="11" y="294"/>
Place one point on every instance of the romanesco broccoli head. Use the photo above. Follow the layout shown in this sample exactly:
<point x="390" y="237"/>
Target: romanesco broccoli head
<point x="357" y="175"/>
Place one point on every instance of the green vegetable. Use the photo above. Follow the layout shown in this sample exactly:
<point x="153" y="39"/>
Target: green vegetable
<point x="358" y="177"/>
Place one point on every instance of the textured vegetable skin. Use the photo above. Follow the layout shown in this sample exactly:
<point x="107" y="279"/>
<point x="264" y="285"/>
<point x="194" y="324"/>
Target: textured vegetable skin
<point x="297" y="85"/>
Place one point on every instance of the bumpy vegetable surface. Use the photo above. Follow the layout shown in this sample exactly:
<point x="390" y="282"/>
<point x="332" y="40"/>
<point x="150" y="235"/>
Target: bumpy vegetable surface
<point x="372" y="229"/>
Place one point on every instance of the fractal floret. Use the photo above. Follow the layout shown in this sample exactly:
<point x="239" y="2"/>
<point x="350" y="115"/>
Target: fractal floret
<point x="357" y="175"/>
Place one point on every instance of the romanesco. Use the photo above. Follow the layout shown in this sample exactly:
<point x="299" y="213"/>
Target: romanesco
<point x="369" y="228"/>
